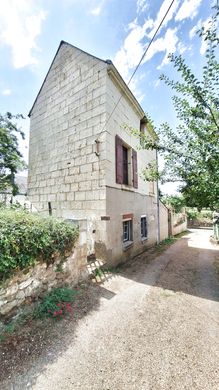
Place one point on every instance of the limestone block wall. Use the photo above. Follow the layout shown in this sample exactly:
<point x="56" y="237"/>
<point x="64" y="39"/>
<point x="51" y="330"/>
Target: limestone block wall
<point x="72" y="152"/>
<point x="69" y="112"/>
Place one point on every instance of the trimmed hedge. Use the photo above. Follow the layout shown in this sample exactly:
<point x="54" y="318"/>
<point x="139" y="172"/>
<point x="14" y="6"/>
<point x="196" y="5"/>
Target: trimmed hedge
<point x="26" y="238"/>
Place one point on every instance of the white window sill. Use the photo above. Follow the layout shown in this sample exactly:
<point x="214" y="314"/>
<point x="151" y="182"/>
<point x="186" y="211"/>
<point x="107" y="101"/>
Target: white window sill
<point x="143" y="239"/>
<point x="127" y="187"/>
<point x="127" y="245"/>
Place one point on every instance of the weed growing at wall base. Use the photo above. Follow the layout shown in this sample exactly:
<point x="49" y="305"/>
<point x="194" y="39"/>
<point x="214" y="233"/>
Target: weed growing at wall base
<point x="56" y="303"/>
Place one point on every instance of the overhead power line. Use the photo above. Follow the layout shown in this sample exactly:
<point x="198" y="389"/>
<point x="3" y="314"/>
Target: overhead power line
<point x="143" y="56"/>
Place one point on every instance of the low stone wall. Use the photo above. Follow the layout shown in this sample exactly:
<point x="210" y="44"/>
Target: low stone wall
<point x="27" y="286"/>
<point x="164" y="228"/>
<point x="197" y="224"/>
<point x="179" y="228"/>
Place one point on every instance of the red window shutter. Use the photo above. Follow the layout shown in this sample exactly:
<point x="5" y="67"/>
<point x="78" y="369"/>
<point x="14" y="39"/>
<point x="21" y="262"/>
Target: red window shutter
<point x="119" y="160"/>
<point x="135" y="168"/>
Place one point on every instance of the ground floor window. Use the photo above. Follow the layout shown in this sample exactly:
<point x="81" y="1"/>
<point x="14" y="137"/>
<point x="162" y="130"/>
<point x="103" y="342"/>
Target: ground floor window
<point x="144" y="229"/>
<point x="127" y="231"/>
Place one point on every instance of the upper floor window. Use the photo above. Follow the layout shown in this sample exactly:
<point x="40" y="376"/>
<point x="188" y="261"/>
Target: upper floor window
<point x="126" y="164"/>
<point x="143" y="128"/>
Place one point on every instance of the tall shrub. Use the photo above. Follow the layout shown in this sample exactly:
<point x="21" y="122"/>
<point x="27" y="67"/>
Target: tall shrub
<point x="26" y="238"/>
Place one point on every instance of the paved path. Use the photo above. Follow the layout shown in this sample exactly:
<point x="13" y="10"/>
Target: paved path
<point x="156" y="329"/>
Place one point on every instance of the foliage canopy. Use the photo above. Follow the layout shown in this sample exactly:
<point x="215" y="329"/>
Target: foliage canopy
<point x="10" y="157"/>
<point x="174" y="201"/>
<point x="191" y="150"/>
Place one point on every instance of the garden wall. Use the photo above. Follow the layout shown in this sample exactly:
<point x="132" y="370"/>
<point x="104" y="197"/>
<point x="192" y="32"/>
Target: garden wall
<point x="179" y="223"/>
<point x="179" y="228"/>
<point x="164" y="228"/>
<point x="27" y="286"/>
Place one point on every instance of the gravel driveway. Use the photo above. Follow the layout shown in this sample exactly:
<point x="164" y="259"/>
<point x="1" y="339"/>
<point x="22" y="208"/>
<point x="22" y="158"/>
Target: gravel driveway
<point x="157" y="327"/>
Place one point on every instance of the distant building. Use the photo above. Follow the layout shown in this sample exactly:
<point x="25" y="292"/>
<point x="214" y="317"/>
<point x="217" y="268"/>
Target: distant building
<point x="83" y="164"/>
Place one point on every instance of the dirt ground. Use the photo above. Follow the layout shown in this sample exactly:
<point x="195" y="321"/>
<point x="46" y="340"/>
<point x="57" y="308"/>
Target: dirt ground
<point x="152" y="326"/>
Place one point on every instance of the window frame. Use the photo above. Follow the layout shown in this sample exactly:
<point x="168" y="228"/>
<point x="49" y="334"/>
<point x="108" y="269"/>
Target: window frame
<point x="144" y="230"/>
<point x="125" y="165"/>
<point x="143" y="130"/>
<point x="129" y="175"/>
<point x="129" y="223"/>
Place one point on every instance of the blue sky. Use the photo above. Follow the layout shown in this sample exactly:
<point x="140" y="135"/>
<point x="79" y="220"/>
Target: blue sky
<point x="30" y="32"/>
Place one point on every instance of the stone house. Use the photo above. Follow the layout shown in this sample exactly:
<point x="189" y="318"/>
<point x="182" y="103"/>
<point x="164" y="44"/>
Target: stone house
<point x="83" y="164"/>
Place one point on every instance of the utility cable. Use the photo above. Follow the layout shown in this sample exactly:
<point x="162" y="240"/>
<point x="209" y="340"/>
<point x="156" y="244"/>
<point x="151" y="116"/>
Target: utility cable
<point x="144" y="54"/>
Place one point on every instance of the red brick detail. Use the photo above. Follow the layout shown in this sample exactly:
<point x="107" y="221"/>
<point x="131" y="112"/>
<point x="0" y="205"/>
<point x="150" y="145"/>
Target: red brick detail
<point x="127" y="216"/>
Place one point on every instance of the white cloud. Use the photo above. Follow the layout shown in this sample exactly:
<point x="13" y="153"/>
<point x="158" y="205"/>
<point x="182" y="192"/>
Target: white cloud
<point x="142" y="5"/>
<point x="96" y="11"/>
<point x="161" y="13"/>
<point x="192" y="32"/>
<point x="135" y="43"/>
<point x="132" y="50"/>
<point x="188" y="10"/>
<point x="167" y="44"/>
<point x="182" y="48"/>
<point x="134" y="86"/>
<point x="21" y="23"/>
<point x="6" y="92"/>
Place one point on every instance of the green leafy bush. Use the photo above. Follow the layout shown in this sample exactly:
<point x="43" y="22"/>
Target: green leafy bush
<point x="26" y="238"/>
<point x="56" y="303"/>
<point x="204" y="215"/>
<point x="192" y="214"/>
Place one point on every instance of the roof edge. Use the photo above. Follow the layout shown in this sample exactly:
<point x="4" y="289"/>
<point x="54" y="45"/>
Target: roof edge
<point x="30" y="112"/>
<point x="116" y="76"/>
<point x="60" y="44"/>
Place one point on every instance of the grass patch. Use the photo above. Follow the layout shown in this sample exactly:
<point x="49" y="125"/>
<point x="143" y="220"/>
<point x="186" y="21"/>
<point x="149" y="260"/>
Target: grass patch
<point x="97" y="272"/>
<point x="163" y="245"/>
<point x="182" y="234"/>
<point x="114" y="270"/>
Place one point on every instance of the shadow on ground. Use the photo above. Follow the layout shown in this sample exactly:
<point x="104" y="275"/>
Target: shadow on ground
<point x="192" y="268"/>
<point x="189" y="267"/>
<point x="26" y="350"/>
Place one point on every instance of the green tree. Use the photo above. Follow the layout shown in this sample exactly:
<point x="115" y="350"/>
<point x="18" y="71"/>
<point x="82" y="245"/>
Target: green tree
<point x="175" y="201"/>
<point x="10" y="157"/>
<point x="191" y="151"/>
